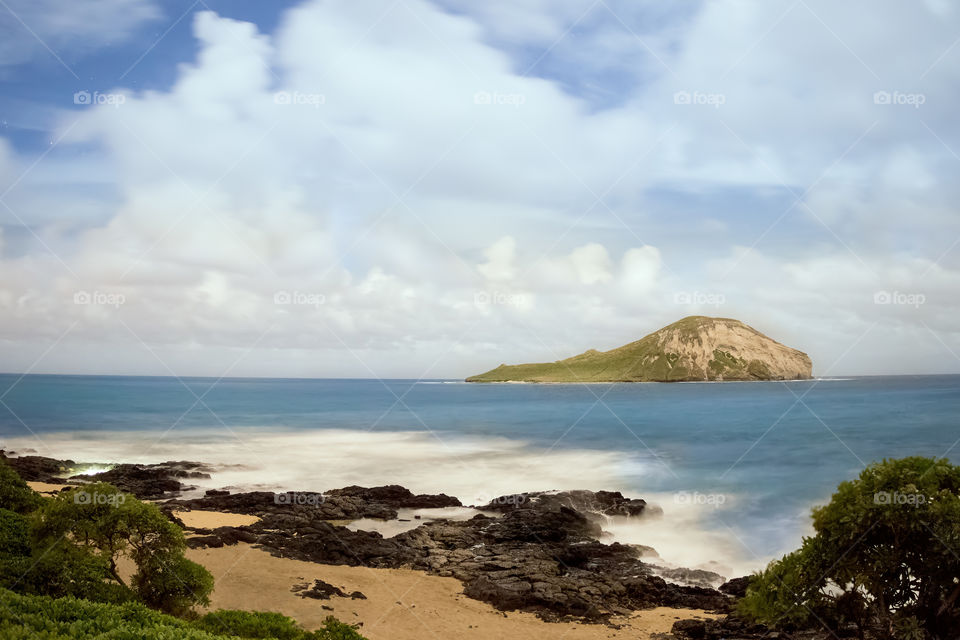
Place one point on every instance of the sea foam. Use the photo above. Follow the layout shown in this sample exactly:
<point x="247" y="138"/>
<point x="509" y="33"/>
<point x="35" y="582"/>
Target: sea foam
<point x="474" y="469"/>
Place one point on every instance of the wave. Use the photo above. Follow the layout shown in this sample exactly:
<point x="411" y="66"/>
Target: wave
<point x="687" y="535"/>
<point x="473" y="469"/>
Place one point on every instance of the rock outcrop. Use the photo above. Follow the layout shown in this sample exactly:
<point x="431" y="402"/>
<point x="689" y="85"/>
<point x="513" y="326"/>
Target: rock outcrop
<point x="39" y="468"/>
<point x="541" y="554"/>
<point x="150" y="481"/>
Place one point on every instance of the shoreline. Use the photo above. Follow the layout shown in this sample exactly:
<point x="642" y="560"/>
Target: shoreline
<point x="513" y="563"/>
<point x="688" y="536"/>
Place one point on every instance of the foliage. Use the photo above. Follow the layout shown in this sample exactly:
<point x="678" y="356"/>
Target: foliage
<point x="172" y="583"/>
<point x="59" y="569"/>
<point x="261" y="624"/>
<point x="100" y="518"/>
<point x="883" y="560"/>
<point x="14" y="534"/>
<point x="251" y="624"/>
<point x="24" y="617"/>
<point x="15" y="495"/>
<point x="54" y="550"/>
<point x="333" y="629"/>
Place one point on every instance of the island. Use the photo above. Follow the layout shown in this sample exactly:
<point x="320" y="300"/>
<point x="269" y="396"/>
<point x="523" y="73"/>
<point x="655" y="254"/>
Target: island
<point x="696" y="348"/>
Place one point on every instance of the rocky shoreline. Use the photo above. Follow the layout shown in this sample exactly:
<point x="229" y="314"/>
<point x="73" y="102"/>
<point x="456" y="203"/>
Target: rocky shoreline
<point x="536" y="552"/>
<point x="541" y="556"/>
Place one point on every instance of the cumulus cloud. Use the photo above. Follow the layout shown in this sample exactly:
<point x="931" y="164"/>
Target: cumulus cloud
<point x="382" y="189"/>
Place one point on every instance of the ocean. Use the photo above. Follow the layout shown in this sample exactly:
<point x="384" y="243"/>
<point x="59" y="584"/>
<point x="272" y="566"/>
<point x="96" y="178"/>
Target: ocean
<point x="735" y="467"/>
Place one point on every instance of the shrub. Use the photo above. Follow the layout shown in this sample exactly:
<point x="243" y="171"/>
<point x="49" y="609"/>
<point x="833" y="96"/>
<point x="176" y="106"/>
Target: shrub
<point x="172" y="583"/>
<point x="251" y="624"/>
<point x="106" y="523"/>
<point x="333" y="629"/>
<point x="14" y="534"/>
<point x="261" y="624"/>
<point x="60" y="569"/>
<point x="68" y="546"/>
<point x="15" y="495"/>
<point x="24" y="617"/>
<point x="47" y="618"/>
<point x="883" y="560"/>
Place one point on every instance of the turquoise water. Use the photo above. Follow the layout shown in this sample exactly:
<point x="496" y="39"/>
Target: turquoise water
<point x="777" y="448"/>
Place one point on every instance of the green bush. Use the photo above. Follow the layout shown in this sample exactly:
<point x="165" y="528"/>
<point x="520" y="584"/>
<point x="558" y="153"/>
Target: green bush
<point x="14" y="534"/>
<point x="106" y="523"/>
<point x="15" y="495"/>
<point x="53" y="550"/>
<point x="59" y="569"/>
<point x="63" y="569"/>
<point x="36" y="617"/>
<point x="883" y="560"/>
<point x="333" y="629"/>
<point x="251" y="624"/>
<point x="261" y="624"/>
<point x="172" y="583"/>
<point x="24" y="617"/>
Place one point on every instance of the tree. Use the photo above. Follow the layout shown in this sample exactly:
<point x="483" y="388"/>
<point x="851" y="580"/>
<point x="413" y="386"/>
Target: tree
<point x="884" y="559"/>
<point x="172" y="583"/>
<point x="110" y="524"/>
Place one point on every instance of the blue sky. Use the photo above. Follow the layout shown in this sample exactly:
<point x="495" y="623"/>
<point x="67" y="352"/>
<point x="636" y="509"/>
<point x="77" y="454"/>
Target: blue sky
<point x="144" y="57"/>
<point x="447" y="185"/>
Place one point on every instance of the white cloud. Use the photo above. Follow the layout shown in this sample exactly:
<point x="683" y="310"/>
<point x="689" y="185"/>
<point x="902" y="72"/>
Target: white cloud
<point x="500" y="260"/>
<point x="45" y="28"/>
<point x="427" y="209"/>
<point x="591" y="263"/>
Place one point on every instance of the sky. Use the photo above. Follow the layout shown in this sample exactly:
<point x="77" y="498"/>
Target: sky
<point x="427" y="189"/>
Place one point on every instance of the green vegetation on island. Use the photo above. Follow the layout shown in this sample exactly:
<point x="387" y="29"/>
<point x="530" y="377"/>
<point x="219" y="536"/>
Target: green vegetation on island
<point x="695" y="348"/>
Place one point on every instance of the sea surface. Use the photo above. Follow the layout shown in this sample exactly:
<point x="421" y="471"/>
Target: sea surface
<point x="735" y="467"/>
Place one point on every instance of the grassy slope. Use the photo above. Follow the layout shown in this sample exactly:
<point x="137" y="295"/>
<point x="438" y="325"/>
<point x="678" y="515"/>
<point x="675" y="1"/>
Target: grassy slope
<point x="640" y="361"/>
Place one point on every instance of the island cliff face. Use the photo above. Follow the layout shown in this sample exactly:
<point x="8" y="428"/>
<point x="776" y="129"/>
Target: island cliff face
<point x="695" y="348"/>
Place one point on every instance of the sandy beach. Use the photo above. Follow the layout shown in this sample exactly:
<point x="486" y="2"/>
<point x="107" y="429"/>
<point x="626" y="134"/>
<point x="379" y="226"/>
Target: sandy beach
<point x="47" y="488"/>
<point x="199" y="519"/>
<point x="401" y="604"/>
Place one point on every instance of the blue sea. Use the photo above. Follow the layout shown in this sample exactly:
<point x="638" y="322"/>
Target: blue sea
<point x="735" y="467"/>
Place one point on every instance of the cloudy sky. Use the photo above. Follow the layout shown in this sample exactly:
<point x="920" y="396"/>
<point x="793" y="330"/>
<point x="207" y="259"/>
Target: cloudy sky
<point x="427" y="189"/>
